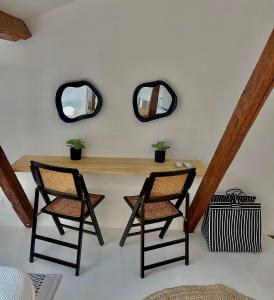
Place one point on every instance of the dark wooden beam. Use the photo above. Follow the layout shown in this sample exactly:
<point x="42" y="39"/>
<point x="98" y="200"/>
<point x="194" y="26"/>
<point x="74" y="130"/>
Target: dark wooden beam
<point x="251" y="101"/>
<point x="12" y="28"/>
<point x="14" y="191"/>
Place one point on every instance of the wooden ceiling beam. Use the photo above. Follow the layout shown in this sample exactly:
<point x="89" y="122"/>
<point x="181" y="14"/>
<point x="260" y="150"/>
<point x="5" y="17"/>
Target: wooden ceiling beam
<point x="250" y="103"/>
<point x="12" y="28"/>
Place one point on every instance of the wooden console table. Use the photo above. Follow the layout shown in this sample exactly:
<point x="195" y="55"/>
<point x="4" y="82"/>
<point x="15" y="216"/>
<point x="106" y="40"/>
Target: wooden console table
<point x="107" y="165"/>
<point x="95" y="165"/>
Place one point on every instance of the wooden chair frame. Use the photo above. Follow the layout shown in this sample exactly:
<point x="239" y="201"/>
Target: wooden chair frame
<point x="143" y="198"/>
<point x="82" y="195"/>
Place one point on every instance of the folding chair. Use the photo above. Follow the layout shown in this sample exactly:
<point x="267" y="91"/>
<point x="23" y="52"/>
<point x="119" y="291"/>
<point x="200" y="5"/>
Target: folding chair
<point x="72" y="202"/>
<point x="153" y="205"/>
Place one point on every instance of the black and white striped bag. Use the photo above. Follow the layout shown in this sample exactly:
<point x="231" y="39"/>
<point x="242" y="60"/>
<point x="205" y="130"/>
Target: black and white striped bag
<point x="232" y="223"/>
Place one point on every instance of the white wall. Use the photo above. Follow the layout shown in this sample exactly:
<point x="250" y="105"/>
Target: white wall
<point x="205" y="49"/>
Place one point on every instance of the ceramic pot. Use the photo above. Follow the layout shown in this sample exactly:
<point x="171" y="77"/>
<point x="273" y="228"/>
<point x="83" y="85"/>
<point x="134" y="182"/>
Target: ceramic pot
<point x="160" y="156"/>
<point x="75" y="154"/>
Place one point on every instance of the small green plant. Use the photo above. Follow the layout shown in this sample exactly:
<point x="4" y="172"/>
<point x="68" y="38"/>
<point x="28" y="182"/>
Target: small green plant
<point x="76" y="144"/>
<point x="161" y="146"/>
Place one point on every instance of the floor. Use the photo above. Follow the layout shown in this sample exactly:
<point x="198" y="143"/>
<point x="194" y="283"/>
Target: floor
<point x="112" y="272"/>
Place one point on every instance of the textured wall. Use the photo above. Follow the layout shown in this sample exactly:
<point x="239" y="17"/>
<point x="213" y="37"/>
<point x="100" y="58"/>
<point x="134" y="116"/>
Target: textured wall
<point x="206" y="50"/>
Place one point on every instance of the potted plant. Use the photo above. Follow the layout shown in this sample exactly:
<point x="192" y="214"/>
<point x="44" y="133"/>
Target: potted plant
<point x="160" y="152"/>
<point x="76" y="146"/>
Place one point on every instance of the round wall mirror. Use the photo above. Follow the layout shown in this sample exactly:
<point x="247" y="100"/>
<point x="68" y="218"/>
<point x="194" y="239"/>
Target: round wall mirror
<point x="153" y="100"/>
<point x="77" y="101"/>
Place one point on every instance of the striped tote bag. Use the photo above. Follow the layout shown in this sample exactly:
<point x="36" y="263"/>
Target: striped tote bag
<point x="232" y="223"/>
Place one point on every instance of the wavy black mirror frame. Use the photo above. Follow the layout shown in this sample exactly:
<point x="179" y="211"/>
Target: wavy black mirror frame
<point x="77" y="84"/>
<point x="152" y="84"/>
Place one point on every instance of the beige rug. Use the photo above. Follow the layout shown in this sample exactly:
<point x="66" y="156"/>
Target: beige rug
<point x="198" y="292"/>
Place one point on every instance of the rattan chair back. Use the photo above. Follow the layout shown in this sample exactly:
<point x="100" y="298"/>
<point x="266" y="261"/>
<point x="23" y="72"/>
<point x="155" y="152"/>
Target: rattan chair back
<point x="162" y="186"/>
<point x="58" y="181"/>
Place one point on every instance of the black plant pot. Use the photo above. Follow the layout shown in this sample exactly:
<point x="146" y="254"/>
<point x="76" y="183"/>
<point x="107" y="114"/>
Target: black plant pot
<point x="75" y="154"/>
<point x="160" y="156"/>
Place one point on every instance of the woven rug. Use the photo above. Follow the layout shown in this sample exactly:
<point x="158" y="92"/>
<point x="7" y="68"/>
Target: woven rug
<point x="45" y="285"/>
<point x="198" y="292"/>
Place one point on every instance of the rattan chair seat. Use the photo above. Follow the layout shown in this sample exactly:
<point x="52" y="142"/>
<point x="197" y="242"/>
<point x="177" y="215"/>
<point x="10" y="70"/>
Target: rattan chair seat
<point x="155" y="211"/>
<point x="70" y="207"/>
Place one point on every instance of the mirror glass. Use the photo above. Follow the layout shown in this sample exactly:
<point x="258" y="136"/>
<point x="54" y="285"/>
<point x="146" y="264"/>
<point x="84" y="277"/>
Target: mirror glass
<point x="153" y="100"/>
<point x="78" y="100"/>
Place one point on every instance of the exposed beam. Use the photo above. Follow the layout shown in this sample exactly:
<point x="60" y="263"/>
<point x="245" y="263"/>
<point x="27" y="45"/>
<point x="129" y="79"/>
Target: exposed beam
<point x="12" y="28"/>
<point x="14" y="191"/>
<point x="250" y="103"/>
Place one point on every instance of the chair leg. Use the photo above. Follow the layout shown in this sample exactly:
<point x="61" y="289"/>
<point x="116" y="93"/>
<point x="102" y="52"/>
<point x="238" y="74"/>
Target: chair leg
<point x="34" y="224"/>
<point x="142" y="257"/>
<point x="95" y="224"/>
<point x="79" y="250"/>
<point x="58" y="225"/>
<point x="130" y="222"/>
<point x="127" y="229"/>
<point x="55" y="219"/>
<point x="177" y="205"/>
<point x="187" y="248"/>
<point x="165" y="228"/>
<point x="186" y="230"/>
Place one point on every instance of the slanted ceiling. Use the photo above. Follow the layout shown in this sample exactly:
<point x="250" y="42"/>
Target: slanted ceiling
<point x="13" y="13"/>
<point x="25" y="9"/>
<point x="12" y="28"/>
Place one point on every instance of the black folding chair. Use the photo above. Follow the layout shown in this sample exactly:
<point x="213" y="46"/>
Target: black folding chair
<point x="154" y="205"/>
<point x="72" y="202"/>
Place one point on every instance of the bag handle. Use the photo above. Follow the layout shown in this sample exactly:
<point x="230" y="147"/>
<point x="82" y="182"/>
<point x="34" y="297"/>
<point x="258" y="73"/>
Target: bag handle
<point x="233" y="194"/>
<point x="236" y="191"/>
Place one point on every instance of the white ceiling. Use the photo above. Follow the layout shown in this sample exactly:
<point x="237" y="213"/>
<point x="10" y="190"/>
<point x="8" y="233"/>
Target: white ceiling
<point x="29" y="8"/>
